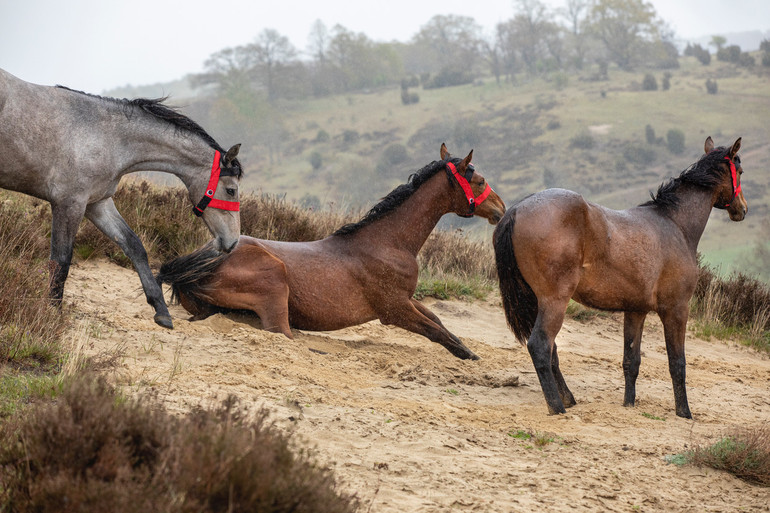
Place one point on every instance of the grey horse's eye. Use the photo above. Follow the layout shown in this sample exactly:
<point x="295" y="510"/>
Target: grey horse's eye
<point x="230" y="191"/>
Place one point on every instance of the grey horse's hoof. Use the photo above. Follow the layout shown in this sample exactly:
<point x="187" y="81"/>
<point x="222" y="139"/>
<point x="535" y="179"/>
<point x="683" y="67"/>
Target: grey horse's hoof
<point x="164" y="320"/>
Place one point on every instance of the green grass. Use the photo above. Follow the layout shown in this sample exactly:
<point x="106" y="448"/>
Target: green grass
<point x="18" y="389"/>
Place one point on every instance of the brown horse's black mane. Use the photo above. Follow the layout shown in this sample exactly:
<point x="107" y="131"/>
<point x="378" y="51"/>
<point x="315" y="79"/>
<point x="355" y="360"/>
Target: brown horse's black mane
<point x="158" y="109"/>
<point x="705" y="173"/>
<point x="397" y="196"/>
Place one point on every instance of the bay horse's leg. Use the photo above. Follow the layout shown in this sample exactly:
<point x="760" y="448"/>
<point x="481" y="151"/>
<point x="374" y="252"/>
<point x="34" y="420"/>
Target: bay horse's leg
<point x="106" y="217"/>
<point x="633" y="324"/>
<point x="541" y="347"/>
<point x="566" y="396"/>
<point x="65" y="219"/>
<point x="415" y="317"/>
<point x="674" y="330"/>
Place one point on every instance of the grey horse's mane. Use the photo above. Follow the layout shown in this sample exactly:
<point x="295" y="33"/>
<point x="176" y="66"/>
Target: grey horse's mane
<point x="156" y="108"/>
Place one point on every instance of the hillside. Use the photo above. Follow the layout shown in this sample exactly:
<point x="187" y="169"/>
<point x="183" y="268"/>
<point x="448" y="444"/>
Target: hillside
<point x="566" y="130"/>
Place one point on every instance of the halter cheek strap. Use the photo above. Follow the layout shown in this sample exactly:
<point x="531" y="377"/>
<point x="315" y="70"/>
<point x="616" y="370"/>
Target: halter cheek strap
<point x="208" y="199"/>
<point x="466" y="187"/>
<point x="736" y="185"/>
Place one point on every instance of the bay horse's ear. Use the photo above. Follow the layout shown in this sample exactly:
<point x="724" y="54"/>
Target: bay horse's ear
<point x="466" y="160"/>
<point x="735" y="148"/>
<point x="232" y="153"/>
<point x="444" y="152"/>
<point x="709" y="146"/>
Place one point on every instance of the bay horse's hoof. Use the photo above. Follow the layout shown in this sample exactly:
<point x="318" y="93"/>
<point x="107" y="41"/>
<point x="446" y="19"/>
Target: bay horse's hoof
<point x="164" y="320"/>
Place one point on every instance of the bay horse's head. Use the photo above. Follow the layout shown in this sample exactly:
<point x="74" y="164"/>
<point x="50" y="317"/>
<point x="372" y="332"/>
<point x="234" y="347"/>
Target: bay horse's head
<point x="729" y="195"/>
<point x="475" y="196"/>
<point x="219" y="205"/>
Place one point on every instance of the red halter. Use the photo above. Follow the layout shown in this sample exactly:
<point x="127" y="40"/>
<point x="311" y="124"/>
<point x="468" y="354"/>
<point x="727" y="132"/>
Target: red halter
<point x="736" y="185"/>
<point x="466" y="187"/>
<point x="208" y="198"/>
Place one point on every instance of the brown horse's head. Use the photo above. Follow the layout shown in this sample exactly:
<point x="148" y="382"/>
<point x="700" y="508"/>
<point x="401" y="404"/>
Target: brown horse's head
<point x="729" y="195"/>
<point x="483" y="203"/>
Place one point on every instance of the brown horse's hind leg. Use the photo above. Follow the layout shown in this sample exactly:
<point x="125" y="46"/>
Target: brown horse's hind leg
<point x="566" y="396"/>
<point x="542" y="350"/>
<point x="417" y="318"/>
<point x="633" y="323"/>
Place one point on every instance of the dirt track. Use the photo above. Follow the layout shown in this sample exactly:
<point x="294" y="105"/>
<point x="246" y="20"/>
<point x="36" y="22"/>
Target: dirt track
<point x="410" y="428"/>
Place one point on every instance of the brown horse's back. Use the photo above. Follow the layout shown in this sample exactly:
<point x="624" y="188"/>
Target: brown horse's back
<point x="567" y="247"/>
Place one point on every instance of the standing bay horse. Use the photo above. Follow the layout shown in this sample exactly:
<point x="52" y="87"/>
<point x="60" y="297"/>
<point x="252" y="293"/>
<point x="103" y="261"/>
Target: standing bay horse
<point x="71" y="149"/>
<point x="554" y="246"/>
<point x="364" y="271"/>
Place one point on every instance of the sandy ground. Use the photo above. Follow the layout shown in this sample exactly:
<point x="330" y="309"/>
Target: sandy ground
<point x="410" y="428"/>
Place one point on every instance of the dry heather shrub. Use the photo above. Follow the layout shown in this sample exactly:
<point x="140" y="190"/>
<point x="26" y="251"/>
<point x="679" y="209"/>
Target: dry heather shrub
<point x="738" y="301"/>
<point x="30" y="327"/>
<point x="93" y="451"/>
<point x="744" y="453"/>
<point x="161" y="216"/>
<point x="454" y="253"/>
<point x="272" y="217"/>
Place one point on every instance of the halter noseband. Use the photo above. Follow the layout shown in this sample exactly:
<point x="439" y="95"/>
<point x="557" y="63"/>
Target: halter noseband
<point x="736" y="185"/>
<point x="208" y="198"/>
<point x="465" y="184"/>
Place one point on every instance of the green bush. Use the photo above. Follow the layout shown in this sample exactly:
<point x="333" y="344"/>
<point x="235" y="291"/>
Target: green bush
<point x="583" y="141"/>
<point x="316" y="160"/>
<point x="649" y="83"/>
<point x="675" y="141"/>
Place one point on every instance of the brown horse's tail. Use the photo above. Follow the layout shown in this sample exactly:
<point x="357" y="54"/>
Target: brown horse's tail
<point x="519" y="301"/>
<point x="188" y="274"/>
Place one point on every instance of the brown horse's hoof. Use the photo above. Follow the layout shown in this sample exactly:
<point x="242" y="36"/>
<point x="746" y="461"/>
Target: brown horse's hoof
<point x="164" y="320"/>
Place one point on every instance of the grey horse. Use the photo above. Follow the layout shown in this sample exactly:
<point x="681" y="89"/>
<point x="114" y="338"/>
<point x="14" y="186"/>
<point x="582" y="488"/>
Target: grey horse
<point x="71" y="149"/>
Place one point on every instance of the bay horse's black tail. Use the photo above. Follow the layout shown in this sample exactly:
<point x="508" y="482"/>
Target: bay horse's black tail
<point x="519" y="301"/>
<point x="187" y="274"/>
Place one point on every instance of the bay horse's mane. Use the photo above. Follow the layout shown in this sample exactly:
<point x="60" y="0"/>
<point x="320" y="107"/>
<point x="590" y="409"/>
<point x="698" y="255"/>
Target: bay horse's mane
<point x="156" y="108"/>
<point x="397" y="196"/>
<point x="705" y="173"/>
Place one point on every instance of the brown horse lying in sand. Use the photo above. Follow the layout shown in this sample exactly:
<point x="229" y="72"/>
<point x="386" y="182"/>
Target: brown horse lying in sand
<point x="554" y="246"/>
<point x="364" y="271"/>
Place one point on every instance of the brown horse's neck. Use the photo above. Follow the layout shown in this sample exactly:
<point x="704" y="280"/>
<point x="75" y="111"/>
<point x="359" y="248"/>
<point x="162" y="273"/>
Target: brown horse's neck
<point x="409" y="225"/>
<point x="692" y="213"/>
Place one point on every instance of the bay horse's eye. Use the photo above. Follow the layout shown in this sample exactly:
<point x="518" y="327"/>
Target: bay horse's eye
<point x="230" y="191"/>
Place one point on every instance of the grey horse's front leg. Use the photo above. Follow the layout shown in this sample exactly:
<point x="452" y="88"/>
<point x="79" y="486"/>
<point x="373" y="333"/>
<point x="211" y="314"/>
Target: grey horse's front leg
<point x="107" y="218"/>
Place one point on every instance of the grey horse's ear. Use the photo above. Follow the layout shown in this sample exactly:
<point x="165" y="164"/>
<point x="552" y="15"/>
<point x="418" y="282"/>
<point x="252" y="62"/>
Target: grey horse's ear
<point x="232" y="153"/>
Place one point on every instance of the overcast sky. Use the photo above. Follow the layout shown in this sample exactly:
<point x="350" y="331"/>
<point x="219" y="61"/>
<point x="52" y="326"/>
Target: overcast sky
<point x="95" y="45"/>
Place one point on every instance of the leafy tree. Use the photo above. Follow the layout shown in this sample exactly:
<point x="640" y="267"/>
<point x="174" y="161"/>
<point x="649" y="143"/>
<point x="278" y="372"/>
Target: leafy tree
<point x="718" y="42"/>
<point x="360" y="63"/>
<point x="575" y="14"/>
<point x="623" y="26"/>
<point x="447" y="42"/>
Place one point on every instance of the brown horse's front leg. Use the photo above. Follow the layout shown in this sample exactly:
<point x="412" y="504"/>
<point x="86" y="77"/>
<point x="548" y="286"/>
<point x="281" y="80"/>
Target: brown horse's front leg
<point x="415" y="317"/>
<point x="674" y="329"/>
<point x="633" y="323"/>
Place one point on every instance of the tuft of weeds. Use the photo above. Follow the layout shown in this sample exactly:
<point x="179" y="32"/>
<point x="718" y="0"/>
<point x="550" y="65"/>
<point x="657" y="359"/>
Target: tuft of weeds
<point x="96" y="451"/>
<point x="745" y="453"/>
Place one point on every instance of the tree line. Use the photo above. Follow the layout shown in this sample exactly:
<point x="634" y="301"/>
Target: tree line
<point x="447" y="50"/>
